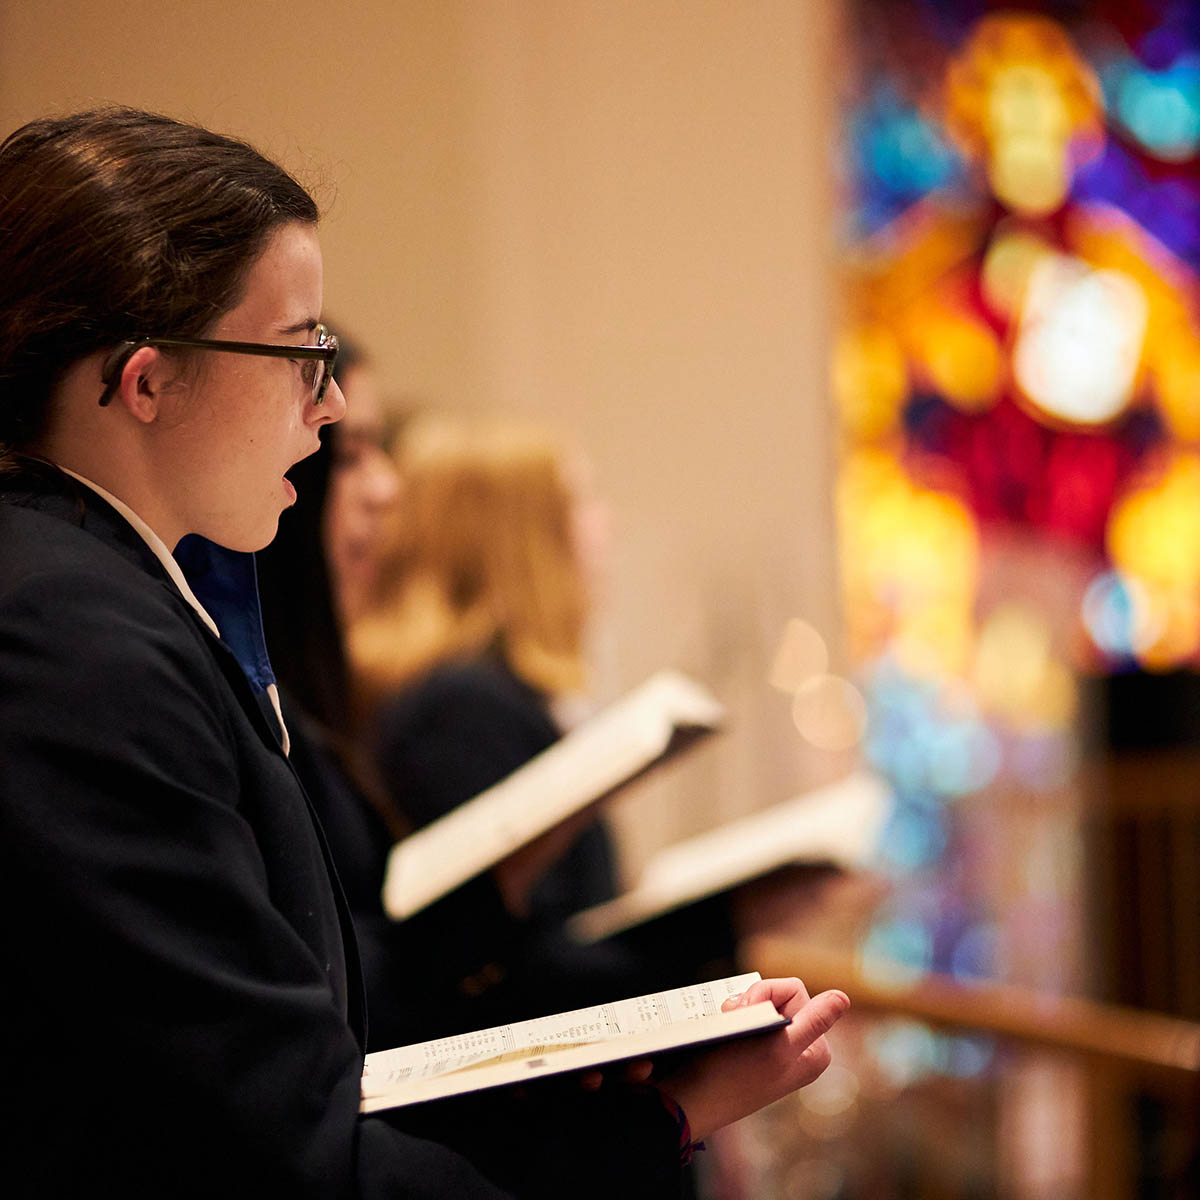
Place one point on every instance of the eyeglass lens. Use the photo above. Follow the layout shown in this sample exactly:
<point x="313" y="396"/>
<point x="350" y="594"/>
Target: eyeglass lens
<point x="315" y="372"/>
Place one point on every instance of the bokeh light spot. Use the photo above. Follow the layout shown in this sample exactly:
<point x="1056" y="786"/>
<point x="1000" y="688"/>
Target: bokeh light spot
<point x="1177" y="381"/>
<point x="830" y="712"/>
<point x="802" y="654"/>
<point x="1117" y="614"/>
<point x="976" y="953"/>
<point x="965" y="1057"/>
<point x="1161" y="109"/>
<point x="913" y="838"/>
<point x="904" y="1051"/>
<point x="896" y="953"/>
<point x="869" y="380"/>
<point x="1016" y="674"/>
<point x="834" y="1092"/>
<point x="963" y="359"/>
<point x="1007" y="268"/>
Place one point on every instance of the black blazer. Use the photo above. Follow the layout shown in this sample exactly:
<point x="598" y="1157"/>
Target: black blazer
<point x="459" y="729"/>
<point x="182" y="1019"/>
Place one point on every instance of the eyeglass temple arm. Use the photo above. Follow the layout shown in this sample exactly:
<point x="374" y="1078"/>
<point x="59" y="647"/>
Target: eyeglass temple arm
<point x="110" y="372"/>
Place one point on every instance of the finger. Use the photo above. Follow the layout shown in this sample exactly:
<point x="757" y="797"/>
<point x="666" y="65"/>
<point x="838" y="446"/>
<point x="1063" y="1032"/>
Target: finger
<point x="639" y="1071"/>
<point x="813" y="1060"/>
<point x="591" y="1081"/>
<point x="816" y="1018"/>
<point x="788" y="995"/>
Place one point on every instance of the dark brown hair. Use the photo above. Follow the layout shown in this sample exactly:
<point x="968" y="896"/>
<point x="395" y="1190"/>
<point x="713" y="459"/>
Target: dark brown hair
<point x="116" y="223"/>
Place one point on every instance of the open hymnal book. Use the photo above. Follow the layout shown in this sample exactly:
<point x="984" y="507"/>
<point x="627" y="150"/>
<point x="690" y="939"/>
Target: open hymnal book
<point x="598" y="756"/>
<point x="583" y="1039"/>
<point x="838" y="824"/>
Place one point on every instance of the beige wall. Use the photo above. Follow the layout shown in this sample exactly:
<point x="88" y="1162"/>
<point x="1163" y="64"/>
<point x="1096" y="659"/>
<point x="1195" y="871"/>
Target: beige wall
<point x="613" y="215"/>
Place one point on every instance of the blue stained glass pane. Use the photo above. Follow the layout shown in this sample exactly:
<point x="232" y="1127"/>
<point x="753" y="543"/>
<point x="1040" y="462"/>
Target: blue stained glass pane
<point x="1168" y="209"/>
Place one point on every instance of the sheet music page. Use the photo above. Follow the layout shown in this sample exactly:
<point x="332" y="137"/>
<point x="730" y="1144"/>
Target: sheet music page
<point x="599" y="1023"/>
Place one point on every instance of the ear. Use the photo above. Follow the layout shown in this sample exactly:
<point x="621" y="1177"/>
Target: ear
<point x="142" y="383"/>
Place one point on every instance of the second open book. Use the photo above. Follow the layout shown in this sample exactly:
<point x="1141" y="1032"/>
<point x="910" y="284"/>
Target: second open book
<point x="609" y="750"/>
<point x="585" y="1038"/>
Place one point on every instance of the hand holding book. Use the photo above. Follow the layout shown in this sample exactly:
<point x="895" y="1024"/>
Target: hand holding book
<point x="771" y="1037"/>
<point x="738" y="1078"/>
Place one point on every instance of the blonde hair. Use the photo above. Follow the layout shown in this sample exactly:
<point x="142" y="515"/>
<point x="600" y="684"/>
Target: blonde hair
<point x="481" y="554"/>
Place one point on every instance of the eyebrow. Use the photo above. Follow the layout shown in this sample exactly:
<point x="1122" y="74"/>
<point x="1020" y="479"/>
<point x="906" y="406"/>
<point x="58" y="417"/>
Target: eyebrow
<point x="304" y="325"/>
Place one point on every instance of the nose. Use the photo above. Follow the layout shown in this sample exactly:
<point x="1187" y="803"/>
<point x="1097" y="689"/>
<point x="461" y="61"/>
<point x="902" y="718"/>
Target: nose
<point x="331" y="409"/>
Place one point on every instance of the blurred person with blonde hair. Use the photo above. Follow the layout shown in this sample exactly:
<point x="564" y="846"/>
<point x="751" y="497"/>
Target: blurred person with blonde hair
<point x="471" y="660"/>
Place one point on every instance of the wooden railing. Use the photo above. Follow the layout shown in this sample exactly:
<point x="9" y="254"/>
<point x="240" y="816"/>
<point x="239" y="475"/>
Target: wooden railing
<point x="1144" y="1041"/>
<point x="1124" y="1051"/>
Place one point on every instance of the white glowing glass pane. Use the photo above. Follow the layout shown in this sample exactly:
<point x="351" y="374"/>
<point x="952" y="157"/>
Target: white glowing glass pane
<point x="1080" y="342"/>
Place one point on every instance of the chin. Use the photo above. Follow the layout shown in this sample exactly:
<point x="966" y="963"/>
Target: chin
<point x="268" y="536"/>
<point x="247" y="541"/>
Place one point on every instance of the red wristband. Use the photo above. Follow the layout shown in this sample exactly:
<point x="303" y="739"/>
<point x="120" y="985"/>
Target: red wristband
<point x="687" y="1148"/>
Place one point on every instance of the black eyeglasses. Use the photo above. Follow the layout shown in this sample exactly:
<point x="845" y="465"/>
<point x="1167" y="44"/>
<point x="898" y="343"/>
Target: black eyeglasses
<point x="316" y="360"/>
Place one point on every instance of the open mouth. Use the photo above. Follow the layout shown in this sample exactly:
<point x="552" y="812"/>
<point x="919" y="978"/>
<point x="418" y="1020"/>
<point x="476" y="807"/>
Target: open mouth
<point x="304" y="474"/>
